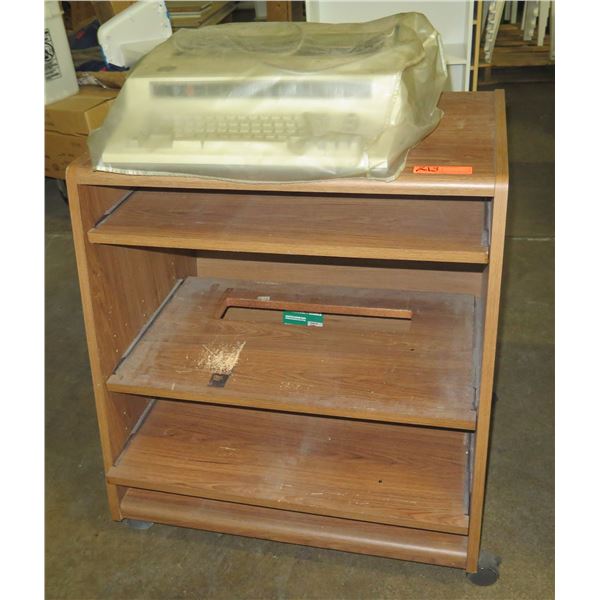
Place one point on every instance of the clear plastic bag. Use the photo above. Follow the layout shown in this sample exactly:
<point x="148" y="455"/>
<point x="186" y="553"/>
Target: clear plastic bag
<point x="278" y="102"/>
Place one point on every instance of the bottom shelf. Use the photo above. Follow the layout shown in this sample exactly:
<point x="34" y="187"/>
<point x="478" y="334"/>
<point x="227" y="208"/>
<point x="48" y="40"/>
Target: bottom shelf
<point x="381" y="473"/>
<point x="285" y="526"/>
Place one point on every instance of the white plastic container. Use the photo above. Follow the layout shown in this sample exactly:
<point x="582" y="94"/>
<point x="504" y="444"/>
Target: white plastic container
<point x="133" y="32"/>
<point x="59" y="71"/>
<point x="260" y="9"/>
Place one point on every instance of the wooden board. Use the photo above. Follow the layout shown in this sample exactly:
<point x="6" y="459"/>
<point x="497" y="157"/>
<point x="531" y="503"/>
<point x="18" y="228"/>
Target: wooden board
<point x="198" y="14"/>
<point x="297" y="528"/>
<point x="382" y="274"/>
<point x="392" y="474"/>
<point x="464" y="137"/>
<point x="285" y="11"/>
<point x="120" y="288"/>
<point x="416" y="371"/>
<point x="107" y="10"/>
<point x="491" y="295"/>
<point x="511" y="50"/>
<point x="391" y="228"/>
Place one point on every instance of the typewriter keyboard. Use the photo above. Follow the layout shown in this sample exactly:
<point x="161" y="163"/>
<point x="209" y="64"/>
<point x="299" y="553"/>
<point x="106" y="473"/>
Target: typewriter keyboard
<point x="240" y="127"/>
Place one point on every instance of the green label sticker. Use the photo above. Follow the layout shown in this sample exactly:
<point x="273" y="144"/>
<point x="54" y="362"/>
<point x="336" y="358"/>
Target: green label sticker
<point x="291" y="317"/>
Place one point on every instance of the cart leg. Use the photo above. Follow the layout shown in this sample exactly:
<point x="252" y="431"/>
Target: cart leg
<point x="487" y="570"/>
<point x="62" y="189"/>
<point x="140" y="525"/>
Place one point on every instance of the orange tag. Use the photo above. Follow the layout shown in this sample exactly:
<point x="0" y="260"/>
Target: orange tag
<point x="442" y="170"/>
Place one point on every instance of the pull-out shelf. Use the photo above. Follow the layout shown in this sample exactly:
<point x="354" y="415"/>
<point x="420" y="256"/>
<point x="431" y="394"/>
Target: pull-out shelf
<point x="380" y="355"/>
<point x="375" y="472"/>
<point x="438" y="230"/>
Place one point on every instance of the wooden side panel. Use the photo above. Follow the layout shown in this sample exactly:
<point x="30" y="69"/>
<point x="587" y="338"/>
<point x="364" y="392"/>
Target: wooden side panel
<point x="120" y="289"/>
<point x="297" y="528"/>
<point x="491" y="292"/>
<point x="476" y="46"/>
<point x="390" y="275"/>
<point x="279" y="11"/>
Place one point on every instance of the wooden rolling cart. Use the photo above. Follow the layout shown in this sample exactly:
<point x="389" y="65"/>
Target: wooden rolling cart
<point x="368" y="434"/>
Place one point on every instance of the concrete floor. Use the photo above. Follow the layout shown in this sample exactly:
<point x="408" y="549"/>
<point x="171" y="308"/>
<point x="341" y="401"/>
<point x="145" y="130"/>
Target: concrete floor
<point x="89" y="556"/>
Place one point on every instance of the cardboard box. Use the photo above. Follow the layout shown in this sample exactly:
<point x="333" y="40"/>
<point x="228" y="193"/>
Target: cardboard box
<point x="105" y="11"/>
<point x="82" y="113"/>
<point x="109" y="79"/>
<point x="78" y="15"/>
<point x="68" y="123"/>
<point x="61" y="150"/>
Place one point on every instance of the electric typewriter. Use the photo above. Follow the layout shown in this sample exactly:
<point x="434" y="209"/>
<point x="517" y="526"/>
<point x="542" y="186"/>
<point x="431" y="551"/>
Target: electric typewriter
<point x="246" y="101"/>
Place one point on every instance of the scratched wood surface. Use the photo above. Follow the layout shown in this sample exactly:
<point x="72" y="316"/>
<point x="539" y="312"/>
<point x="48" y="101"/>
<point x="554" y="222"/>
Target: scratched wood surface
<point x="393" y="474"/>
<point x="412" y="371"/>
<point x="464" y="137"/>
<point x="382" y="274"/>
<point x="391" y="228"/>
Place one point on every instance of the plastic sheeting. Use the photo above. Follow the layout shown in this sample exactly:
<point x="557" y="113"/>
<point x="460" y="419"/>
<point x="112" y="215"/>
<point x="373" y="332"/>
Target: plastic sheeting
<point x="278" y="102"/>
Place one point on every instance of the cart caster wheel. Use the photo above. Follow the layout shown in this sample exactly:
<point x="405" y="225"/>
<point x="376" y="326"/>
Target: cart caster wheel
<point x="62" y="189"/>
<point x="487" y="570"/>
<point x="140" y="525"/>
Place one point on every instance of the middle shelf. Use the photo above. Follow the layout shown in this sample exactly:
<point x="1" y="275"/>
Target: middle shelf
<point x="381" y="473"/>
<point x="438" y="230"/>
<point x="381" y="355"/>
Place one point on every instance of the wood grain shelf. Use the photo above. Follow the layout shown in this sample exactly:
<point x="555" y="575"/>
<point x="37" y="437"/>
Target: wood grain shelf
<point x="396" y="229"/>
<point x="417" y="370"/>
<point x="388" y="474"/>
<point x="466" y="135"/>
<point x="297" y="528"/>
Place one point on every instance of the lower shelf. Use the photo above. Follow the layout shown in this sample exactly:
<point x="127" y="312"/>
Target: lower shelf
<point x="297" y="528"/>
<point x="375" y="472"/>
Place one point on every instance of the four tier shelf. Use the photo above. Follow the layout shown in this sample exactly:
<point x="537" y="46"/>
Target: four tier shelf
<point x="368" y="433"/>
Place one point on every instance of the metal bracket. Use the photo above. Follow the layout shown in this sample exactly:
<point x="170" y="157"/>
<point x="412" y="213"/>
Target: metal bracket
<point x="470" y="447"/>
<point x="218" y="379"/>
<point x="148" y="323"/>
<point x="114" y="207"/>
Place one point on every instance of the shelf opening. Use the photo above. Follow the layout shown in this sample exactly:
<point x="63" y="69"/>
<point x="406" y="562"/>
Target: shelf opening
<point x="266" y="309"/>
<point x="266" y="303"/>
